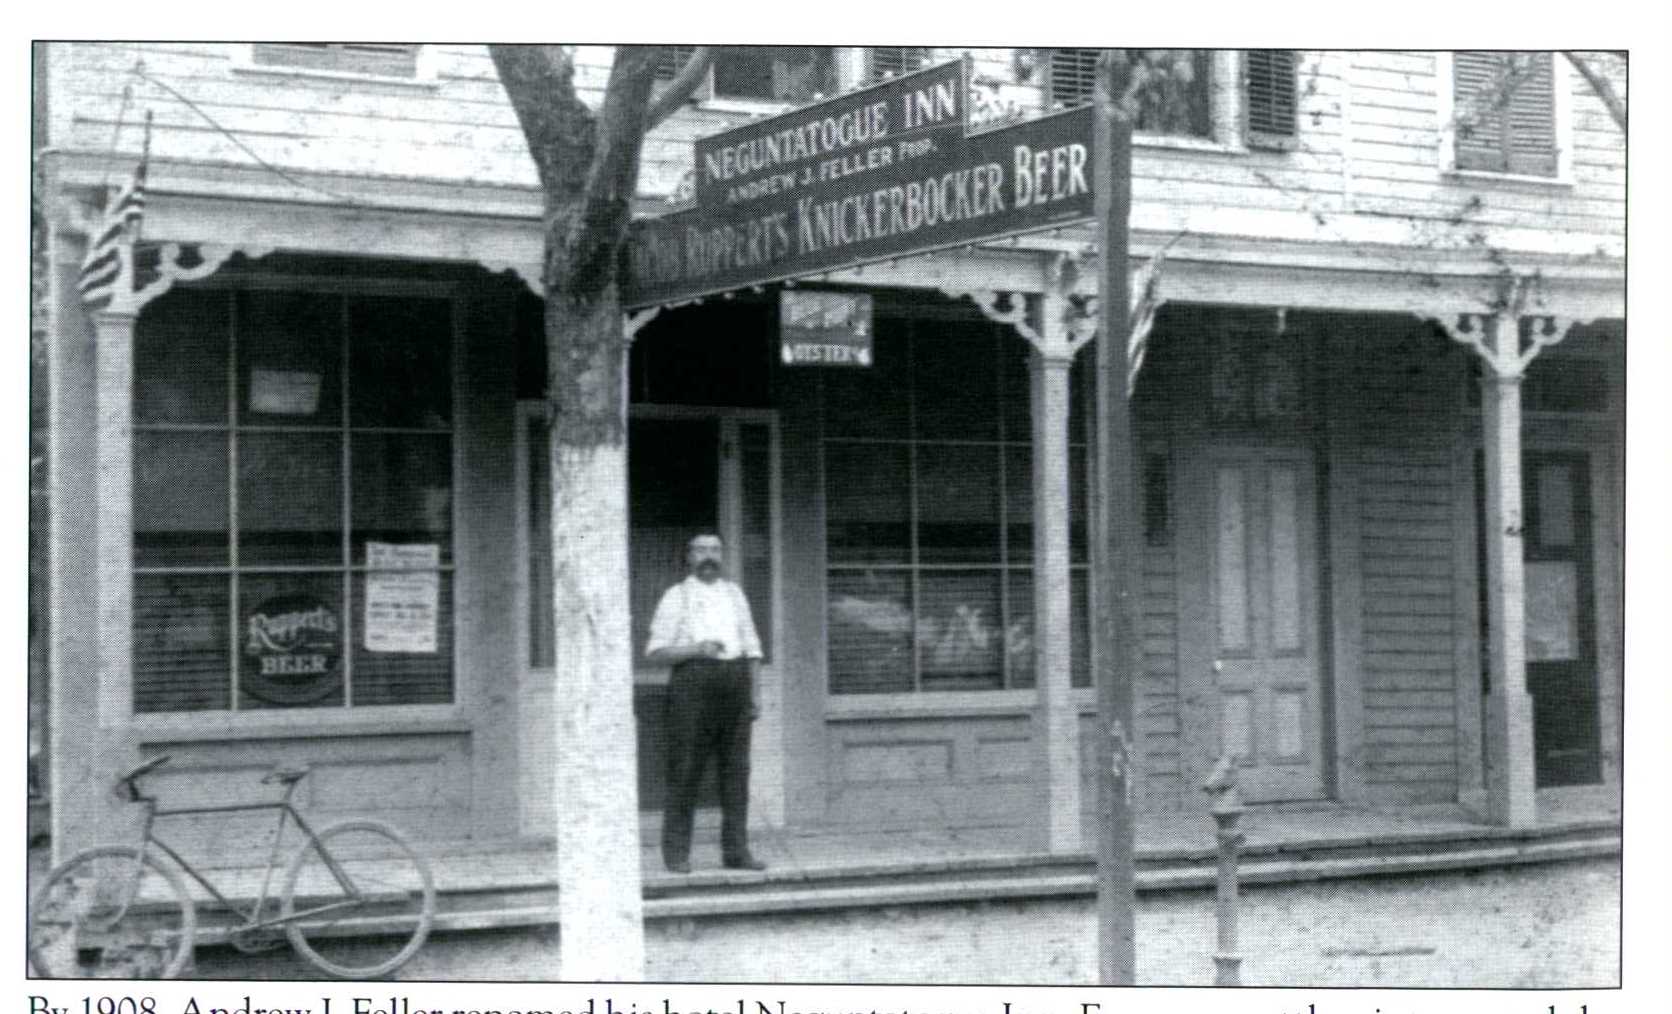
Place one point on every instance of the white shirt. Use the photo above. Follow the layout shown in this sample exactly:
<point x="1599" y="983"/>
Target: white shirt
<point x="694" y="611"/>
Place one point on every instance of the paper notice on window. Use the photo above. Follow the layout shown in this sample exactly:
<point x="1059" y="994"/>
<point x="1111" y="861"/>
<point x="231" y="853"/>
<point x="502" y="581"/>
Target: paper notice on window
<point x="284" y="392"/>
<point x="403" y="598"/>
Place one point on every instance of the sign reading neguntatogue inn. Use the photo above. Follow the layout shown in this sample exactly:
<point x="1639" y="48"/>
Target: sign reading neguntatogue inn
<point x="883" y="172"/>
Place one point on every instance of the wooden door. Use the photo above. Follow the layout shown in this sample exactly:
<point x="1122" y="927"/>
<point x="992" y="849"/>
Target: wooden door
<point x="1560" y="612"/>
<point x="1267" y="646"/>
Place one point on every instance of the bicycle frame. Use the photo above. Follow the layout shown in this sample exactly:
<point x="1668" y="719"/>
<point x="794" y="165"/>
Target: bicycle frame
<point x="252" y="919"/>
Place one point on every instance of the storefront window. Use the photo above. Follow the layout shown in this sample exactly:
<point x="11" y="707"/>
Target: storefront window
<point x="928" y="511"/>
<point x="292" y="501"/>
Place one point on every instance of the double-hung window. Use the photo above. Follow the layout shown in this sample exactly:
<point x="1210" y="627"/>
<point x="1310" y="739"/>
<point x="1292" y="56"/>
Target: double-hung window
<point x="292" y="501"/>
<point x="1225" y="97"/>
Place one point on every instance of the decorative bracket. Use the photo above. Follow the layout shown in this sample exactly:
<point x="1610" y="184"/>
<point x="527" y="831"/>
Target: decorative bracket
<point x="633" y="321"/>
<point x="1499" y="337"/>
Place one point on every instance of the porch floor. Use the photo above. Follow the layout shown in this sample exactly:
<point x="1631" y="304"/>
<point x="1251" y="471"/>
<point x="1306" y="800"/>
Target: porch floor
<point x="821" y="868"/>
<point x="483" y="885"/>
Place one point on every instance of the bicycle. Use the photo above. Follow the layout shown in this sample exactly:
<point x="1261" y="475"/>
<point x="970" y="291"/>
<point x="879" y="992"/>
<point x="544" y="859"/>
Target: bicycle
<point x="357" y="901"/>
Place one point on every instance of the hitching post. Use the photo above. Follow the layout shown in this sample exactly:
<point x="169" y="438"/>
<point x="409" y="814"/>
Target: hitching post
<point x="1116" y="547"/>
<point x="1221" y="787"/>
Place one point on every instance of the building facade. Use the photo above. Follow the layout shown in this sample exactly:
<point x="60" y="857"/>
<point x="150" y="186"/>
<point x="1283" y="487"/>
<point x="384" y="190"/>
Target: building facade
<point x="300" y="495"/>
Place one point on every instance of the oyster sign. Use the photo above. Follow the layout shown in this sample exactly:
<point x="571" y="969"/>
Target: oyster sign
<point x="292" y="650"/>
<point x="883" y="172"/>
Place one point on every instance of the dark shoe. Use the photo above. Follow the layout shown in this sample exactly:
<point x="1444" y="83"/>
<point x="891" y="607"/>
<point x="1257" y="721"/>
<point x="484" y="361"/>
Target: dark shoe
<point x="744" y="862"/>
<point x="679" y="865"/>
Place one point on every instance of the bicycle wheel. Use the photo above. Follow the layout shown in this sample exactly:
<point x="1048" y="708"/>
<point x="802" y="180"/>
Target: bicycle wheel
<point x="376" y="921"/>
<point x="104" y="914"/>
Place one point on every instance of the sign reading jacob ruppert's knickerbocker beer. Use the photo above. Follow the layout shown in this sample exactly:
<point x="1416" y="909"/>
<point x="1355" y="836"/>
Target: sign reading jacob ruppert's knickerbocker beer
<point x="883" y="172"/>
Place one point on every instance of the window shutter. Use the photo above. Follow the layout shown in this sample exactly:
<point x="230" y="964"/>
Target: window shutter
<point x="892" y="61"/>
<point x="1496" y="133"/>
<point x="387" y="59"/>
<point x="1269" y="100"/>
<point x="1073" y="72"/>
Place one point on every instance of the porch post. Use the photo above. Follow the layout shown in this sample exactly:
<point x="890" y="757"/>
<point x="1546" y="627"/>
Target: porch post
<point x="1507" y="342"/>
<point x="1509" y="708"/>
<point x="1063" y="328"/>
<point x="113" y="341"/>
<point x="1057" y="720"/>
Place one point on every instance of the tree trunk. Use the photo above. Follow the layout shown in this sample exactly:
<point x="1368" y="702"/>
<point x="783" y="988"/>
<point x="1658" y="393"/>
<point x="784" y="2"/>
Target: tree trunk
<point x="600" y="905"/>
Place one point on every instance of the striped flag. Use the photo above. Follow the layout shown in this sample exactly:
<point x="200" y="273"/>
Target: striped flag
<point x="108" y="269"/>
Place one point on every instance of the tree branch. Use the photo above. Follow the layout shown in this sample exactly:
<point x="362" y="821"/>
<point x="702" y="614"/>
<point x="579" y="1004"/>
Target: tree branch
<point x="680" y="88"/>
<point x="1600" y="85"/>
<point x="539" y="80"/>
<point x="612" y="178"/>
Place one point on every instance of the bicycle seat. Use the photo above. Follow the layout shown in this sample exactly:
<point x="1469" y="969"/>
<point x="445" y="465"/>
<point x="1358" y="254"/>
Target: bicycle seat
<point x="286" y="775"/>
<point x="126" y="787"/>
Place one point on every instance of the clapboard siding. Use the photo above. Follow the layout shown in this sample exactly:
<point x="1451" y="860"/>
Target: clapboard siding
<point x="1158" y="699"/>
<point x="1395" y="151"/>
<point x="1407" y="392"/>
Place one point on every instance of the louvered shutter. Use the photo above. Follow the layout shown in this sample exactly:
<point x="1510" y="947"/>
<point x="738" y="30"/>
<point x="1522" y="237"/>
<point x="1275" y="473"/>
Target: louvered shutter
<point x="1269" y="105"/>
<point x="1072" y="73"/>
<point x="892" y="61"/>
<point x="1513" y="133"/>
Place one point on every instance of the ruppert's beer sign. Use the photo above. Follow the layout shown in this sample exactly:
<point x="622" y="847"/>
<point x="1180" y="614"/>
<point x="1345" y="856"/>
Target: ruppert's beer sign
<point x="292" y="650"/>
<point x="883" y="172"/>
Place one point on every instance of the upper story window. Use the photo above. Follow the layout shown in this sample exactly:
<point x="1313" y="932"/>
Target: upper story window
<point x="1504" y="112"/>
<point x="789" y="74"/>
<point x="883" y="62"/>
<point x="1192" y="93"/>
<point x="384" y="59"/>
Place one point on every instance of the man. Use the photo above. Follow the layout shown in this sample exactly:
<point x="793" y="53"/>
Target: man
<point x="703" y="629"/>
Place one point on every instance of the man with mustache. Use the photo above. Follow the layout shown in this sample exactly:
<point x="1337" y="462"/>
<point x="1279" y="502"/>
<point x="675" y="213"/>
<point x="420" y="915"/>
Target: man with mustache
<point x="703" y="629"/>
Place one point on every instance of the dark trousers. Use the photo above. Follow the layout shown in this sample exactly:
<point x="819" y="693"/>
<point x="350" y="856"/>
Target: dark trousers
<point x="707" y="716"/>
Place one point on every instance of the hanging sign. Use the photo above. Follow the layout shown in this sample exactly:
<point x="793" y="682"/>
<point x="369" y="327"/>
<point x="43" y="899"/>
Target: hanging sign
<point x="883" y="172"/>
<point x="402" y="597"/>
<point x="292" y="649"/>
<point x="824" y="328"/>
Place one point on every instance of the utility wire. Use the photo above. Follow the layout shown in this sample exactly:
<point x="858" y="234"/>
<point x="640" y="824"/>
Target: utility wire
<point x="139" y="72"/>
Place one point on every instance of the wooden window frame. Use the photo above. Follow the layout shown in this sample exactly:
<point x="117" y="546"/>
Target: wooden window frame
<point x="910" y="58"/>
<point x="707" y="93"/>
<point x="1002" y="566"/>
<point x="1562" y="85"/>
<point x="409" y="64"/>
<point x="346" y="567"/>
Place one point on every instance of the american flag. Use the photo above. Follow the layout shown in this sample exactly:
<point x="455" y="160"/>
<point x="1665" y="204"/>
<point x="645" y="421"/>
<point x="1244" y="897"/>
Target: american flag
<point x="108" y="268"/>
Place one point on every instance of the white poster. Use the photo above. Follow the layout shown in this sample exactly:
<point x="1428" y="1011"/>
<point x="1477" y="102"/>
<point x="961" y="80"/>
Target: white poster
<point x="402" y="597"/>
<point x="284" y="392"/>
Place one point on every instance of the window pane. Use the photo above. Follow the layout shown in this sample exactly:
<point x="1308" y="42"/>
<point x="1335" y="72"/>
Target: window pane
<point x="290" y="498"/>
<point x="778" y="73"/>
<point x="1018" y="501"/>
<point x="959" y="633"/>
<point x="1555" y="506"/>
<point x="180" y="499"/>
<point x="418" y="614"/>
<point x="182" y="649"/>
<point x="958" y="503"/>
<point x="871" y="402"/>
<point x="291" y="630"/>
<point x="867" y="496"/>
<point x="955" y="380"/>
<point x="1079" y="639"/>
<point x="1173" y="97"/>
<point x="400" y="366"/>
<point x="180" y="359"/>
<point x="1015" y="397"/>
<point x="403" y="490"/>
<point x="1018" y="633"/>
<point x="870" y="632"/>
<point x="289" y="359"/>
